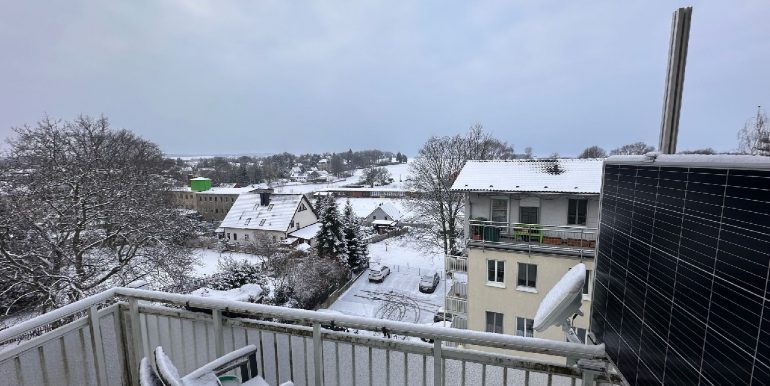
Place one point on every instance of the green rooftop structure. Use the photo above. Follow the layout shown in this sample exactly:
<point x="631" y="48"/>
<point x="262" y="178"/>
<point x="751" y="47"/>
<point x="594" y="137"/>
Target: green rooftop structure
<point x="200" y="184"/>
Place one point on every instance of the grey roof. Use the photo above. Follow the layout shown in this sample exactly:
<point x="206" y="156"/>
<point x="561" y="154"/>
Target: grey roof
<point x="582" y="176"/>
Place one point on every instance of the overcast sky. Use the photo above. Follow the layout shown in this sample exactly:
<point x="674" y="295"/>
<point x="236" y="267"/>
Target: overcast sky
<point x="228" y="77"/>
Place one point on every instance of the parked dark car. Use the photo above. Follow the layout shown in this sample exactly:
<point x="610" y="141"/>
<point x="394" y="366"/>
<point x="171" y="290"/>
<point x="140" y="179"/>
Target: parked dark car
<point x="428" y="283"/>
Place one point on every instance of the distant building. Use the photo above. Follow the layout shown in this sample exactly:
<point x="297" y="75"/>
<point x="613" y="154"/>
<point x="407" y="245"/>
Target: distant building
<point x="212" y="203"/>
<point x="384" y="211"/>
<point x="527" y="223"/>
<point x="264" y="214"/>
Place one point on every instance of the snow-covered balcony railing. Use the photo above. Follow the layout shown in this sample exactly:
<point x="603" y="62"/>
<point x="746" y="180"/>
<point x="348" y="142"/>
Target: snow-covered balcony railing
<point x="99" y="340"/>
<point x="562" y="239"/>
<point x="457" y="299"/>
<point x="454" y="263"/>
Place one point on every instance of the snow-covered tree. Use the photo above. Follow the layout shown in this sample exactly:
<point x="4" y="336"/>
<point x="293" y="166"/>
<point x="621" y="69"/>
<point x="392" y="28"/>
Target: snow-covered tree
<point x="83" y="208"/>
<point x="329" y="238"/>
<point x="433" y="171"/>
<point x="754" y="137"/>
<point x="376" y="176"/>
<point x="356" y="249"/>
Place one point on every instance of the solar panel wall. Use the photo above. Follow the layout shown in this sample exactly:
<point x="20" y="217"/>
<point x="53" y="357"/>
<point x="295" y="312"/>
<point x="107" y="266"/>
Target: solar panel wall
<point x="681" y="290"/>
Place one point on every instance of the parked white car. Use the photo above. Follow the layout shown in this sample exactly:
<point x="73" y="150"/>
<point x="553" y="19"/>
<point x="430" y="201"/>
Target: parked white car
<point x="378" y="273"/>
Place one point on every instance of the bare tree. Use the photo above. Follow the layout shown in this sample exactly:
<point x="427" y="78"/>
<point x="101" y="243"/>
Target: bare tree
<point x="83" y="208"/>
<point x="636" y="148"/>
<point x="754" y="137"/>
<point x="433" y="171"/>
<point x="593" y="152"/>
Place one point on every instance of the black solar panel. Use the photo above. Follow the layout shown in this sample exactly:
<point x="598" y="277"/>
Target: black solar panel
<point x="681" y="291"/>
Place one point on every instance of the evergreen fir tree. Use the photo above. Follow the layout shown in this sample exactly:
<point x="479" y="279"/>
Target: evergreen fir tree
<point x="329" y="237"/>
<point x="356" y="249"/>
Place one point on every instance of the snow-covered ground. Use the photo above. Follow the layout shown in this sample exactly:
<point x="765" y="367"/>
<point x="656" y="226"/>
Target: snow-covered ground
<point x="404" y="251"/>
<point x="209" y="258"/>
<point x="398" y="296"/>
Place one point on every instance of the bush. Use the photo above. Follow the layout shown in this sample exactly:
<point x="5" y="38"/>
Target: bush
<point x="234" y="273"/>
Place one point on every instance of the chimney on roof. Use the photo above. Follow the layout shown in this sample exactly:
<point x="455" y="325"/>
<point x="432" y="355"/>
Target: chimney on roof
<point x="264" y="196"/>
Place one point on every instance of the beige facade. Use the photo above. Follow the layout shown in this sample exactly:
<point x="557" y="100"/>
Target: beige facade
<point x="513" y="300"/>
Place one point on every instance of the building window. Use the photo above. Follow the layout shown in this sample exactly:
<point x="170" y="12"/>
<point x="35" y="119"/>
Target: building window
<point x="216" y="210"/>
<point x="200" y="198"/>
<point x="246" y="236"/>
<point x="524" y="327"/>
<point x="587" y="283"/>
<point x="301" y="207"/>
<point x="576" y="211"/>
<point x="228" y="236"/>
<point x="499" y="210"/>
<point x="496" y="271"/>
<point x="527" y="275"/>
<point x="235" y="237"/>
<point x="528" y="215"/>
<point x="297" y="224"/>
<point x="494" y="322"/>
<point x="374" y="217"/>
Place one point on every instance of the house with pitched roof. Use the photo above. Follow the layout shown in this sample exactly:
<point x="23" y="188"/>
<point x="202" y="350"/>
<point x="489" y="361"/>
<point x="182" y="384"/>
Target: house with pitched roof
<point x="264" y="214"/>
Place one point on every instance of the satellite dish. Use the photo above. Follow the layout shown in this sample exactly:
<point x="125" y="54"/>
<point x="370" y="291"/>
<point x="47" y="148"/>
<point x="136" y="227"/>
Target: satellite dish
<point x="562" y="301"/>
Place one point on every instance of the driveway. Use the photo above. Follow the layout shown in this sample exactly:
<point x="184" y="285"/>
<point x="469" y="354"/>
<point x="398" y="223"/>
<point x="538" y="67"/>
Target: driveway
<point x="396" y="298"/>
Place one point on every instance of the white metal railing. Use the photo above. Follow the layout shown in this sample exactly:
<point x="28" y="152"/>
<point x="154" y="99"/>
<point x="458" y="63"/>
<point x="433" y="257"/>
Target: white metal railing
<point x="567" y="239"/>
<point x="103" y="347"/>
<point x="456" y="263"/>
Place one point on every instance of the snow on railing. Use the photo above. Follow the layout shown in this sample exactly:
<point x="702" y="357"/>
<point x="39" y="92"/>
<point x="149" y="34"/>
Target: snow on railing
<point x="302" y="345"/>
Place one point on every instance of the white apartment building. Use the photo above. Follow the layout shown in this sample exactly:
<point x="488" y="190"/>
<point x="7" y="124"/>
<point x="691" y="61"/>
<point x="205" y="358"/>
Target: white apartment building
<point x="527" y="223"/>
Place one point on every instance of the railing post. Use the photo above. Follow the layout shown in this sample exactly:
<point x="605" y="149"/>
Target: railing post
<point x="136" y="336"/>
<point x="317" y="354"/>
<point x="438" y="364"/>
<point x="219" y="340"/>
<point x="97" y="345"/>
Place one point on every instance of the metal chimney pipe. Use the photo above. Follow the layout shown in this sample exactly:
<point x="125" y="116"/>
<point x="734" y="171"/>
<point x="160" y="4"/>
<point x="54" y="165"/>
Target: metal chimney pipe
<point x="672" y="98"/>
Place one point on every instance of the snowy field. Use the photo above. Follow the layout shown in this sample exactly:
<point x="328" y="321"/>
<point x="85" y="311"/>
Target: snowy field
<point x="404" y="251"/>
<point x="399" y="172"/>
<point x="208" y="259"/>
<point x="398" y="297"/>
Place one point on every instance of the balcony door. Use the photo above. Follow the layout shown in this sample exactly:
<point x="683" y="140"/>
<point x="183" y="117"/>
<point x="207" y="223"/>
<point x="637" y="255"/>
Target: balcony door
<point x="528" y="215"/>
<point x="499" y="210"/>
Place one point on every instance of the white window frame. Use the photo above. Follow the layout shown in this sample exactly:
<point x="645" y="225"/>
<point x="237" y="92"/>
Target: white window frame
<point x="526" y="332"/>
<point x="498" y="264"/>
<point x="497" y="316"/>
<point x="525" y="286"/>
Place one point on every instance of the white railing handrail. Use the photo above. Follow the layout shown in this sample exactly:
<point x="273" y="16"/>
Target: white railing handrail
<point x="534" y="345"/>
<point x="57" y="314"/>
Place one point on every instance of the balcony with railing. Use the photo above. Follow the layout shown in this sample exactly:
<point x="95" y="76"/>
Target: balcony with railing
<point x="568" y="239"/>
<point x="101" y="339"/>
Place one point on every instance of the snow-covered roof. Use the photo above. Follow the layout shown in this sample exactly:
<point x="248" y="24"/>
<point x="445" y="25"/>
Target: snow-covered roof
<point x="308" y="232"/>
<point x="384" y="222"/>
<point x="302" y="247"/>
<point x="546" y="176"/>
<point x="248" y="213"/>
<point x="364" y="206"/>
<point x="200" y="179"/>
<point x="220" y="190"/>
<point x="390" y="210"/>
<point x="732" y="161"/>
